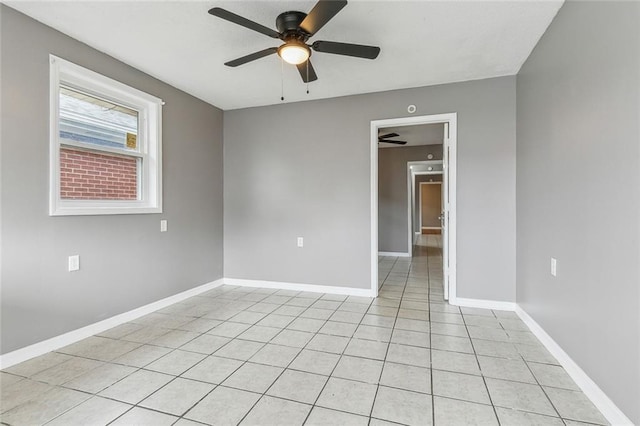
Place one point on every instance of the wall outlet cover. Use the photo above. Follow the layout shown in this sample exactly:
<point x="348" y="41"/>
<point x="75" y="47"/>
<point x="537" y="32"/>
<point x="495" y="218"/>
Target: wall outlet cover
<point x="74" y="263"/>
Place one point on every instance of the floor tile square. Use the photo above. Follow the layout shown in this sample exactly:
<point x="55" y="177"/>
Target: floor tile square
<point x="223" y="406"/>
<point x="326" y="343"/>
<point x="451" y="343"/>
<point x="338" y="394"/>
<point x="268" y="409"/>
<point x="552" y="375"/>
<point x="315" y="362"/>
<point x="378" y="321"/>
<point x="137" y="386"/>
<point x="239" y="349"/>
<point x="345" y="316"/>
<point x="315" y="313"/>
<point x="37" y="364"/>
<point x="229" y="329"/>
<point x="99" y="378"/>
<point x="369" y="332"/>
<point x="46" y="407"/>
<point x="253" y="377"/>
<point x="509" y="417"/>
<point x="411" y="355"/>
<point x="334" y="328"/>
<point x="213" y="369"/>
<point x="296" y="339"/>
<point x="66" y="371"/>
<point x="401" y="406"/>
<point x="575" y="406"/>
<point x="177" y="396"/>
<point x="174" y="338"/>
<point x="506" y="369"/>
<point x="454" y="361"/>
<point x="200" y="325"/>
<point x="248" y="317"/>
<point x="367" y="349"/>
<point x="497" y="349"/>
<point x="449" y="329"/>
<point x="324" y="417"/>
<point x="455" y="412"/>
<point x="94" y="411"/>
<point x="298" y="386"/>
<point x="142" y="355"/>
<point x="306" y="324"/>
<point x="142" y="416"/>
<point x="460" y="386"/>
<point x="407" y="377"/>
<point x="176" y="362"/>
<point x="258" y="333"/>
<point x="205" y="344"/>
<point x="275" y="320"/>
<point x="276" y="355"/>
<point x="519" y="396"/>
<point x="412" y="338"/>
<point x="359" y="369"/>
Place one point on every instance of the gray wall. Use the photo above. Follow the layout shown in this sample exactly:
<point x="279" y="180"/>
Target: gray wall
<point x="126" y="262"/>
<point x="303" y="170"/>
<point x="392" y="196"/>
<point x="578" y="110"/>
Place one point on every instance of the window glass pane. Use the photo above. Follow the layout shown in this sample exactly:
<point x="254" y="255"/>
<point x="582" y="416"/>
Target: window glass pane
<point x="88" y="119"/>
<point x="88" y="175"/>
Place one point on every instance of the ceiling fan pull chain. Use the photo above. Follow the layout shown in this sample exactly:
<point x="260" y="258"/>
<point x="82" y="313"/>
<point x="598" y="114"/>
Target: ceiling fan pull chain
<point x="307" y="76"/>
<point x="281" y="79"/>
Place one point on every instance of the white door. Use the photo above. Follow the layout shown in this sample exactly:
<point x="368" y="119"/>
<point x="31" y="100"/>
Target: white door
<point x="444" y="217"/>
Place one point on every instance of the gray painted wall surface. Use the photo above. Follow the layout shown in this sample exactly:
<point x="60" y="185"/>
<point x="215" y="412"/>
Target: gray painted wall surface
<point x="578" y="110"/>
<point x="125" y="261"/>
<point x="392" y="196"/>
<point x="303" y="170"/>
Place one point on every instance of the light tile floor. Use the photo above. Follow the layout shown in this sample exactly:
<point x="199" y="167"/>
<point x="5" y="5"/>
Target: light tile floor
<point x="266" y="357"/>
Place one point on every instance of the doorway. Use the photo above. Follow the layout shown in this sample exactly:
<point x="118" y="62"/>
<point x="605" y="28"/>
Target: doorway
<point x="448" y="220"/>
<point x="430" y="207"/>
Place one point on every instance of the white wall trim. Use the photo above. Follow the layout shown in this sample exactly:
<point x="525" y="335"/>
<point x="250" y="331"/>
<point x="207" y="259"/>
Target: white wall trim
<point x="483" y="304"/>
<point x="362" y="292"/>
<point x="394" y="254"/>
<point x="607" y="407"/>
<point x="57" y="342"/>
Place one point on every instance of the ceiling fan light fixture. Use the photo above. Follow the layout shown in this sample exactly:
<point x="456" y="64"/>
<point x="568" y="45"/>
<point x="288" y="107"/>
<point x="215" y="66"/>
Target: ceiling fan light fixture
<point x="294" y="53"/>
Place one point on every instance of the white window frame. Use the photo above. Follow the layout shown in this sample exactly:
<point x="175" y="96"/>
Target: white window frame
<point x="149" y="141"/>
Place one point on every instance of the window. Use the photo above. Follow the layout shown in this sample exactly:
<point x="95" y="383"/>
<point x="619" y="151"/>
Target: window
<point x="105" y="145"/>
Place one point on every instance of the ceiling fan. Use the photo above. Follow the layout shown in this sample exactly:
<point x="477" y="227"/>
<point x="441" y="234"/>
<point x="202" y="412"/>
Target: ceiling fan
<point x="386" y="139"/>
<point x="295" y="29"/>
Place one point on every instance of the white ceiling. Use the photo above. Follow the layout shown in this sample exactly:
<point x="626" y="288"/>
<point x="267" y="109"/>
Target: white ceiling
<point x="422" y="43"/>
<point x="424" y="134"/>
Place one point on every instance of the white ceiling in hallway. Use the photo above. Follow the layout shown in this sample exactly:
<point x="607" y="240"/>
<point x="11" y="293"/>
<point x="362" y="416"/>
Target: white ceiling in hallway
<point x="423" y="134"/>
<point x="422" y="43"/>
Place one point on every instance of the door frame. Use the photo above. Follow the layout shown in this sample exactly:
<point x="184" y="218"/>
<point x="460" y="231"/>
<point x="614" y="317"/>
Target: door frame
<point x="420" y="203"/>
<point x="411" y="190"/>
<point x="451" y="142"/>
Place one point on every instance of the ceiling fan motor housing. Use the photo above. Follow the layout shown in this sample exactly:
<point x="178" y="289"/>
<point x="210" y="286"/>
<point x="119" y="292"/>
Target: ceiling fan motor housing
<point x="288" y="25"/>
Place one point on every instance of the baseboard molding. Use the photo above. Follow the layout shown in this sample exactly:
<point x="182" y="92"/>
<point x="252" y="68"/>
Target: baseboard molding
<point x="484" y="304"/>
<point x="394" y="253"/>
<point x="607" y="407"/>
<point x="362" y="292"/>
<point x="40" y="348"/>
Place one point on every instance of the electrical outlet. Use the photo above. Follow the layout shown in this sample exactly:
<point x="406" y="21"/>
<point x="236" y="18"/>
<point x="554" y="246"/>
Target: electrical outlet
<point x="300" y="242"/>
<point x="554" y="266"/>
<point x="163" y="225"/>
<point x="74" y="263"/>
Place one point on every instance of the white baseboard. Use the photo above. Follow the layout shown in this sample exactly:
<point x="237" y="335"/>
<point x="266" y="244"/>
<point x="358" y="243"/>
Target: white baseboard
<point x="607" y="407"/>
<point x="394" y="253"/>
<point x="484" y="304"/>
<point x="40" y="348"/>
<point x="362" y="292"/>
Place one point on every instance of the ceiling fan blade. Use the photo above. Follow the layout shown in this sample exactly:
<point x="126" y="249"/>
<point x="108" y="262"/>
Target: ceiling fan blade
<point x="237" y="19"/>
<point x="388" y="135"/>
<point x="252" y="57"/>
<point x="347" y="49"/>
<point x="302" y="69"/>
<point x="395" y="142"/>
<point x="321" y="13"/>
